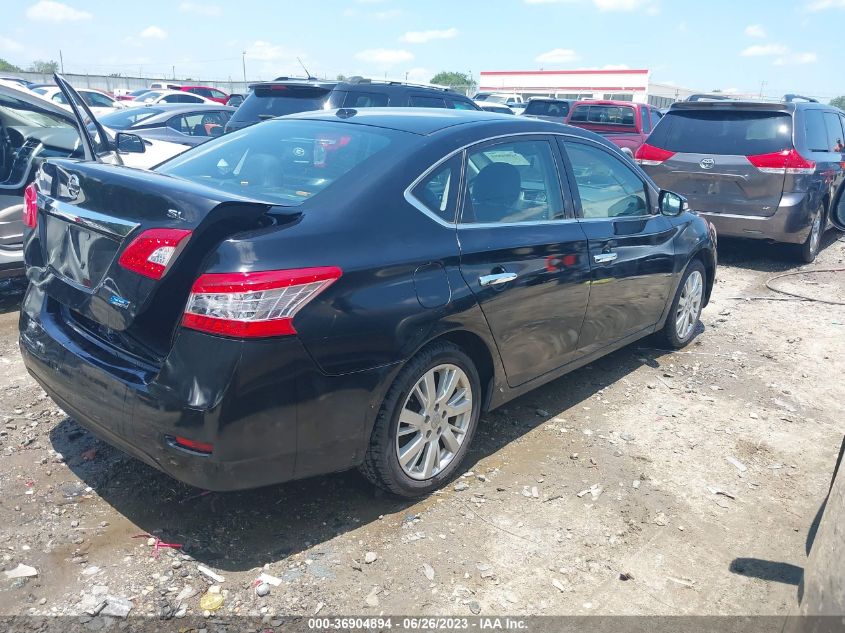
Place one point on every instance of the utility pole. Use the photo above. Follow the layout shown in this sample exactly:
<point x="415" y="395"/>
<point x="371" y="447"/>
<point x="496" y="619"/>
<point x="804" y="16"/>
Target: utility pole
<point x="62" y="61"/>
<point x="243" y="61"/>
<point x="762" y="85"/>
<point x="174" y="72"/>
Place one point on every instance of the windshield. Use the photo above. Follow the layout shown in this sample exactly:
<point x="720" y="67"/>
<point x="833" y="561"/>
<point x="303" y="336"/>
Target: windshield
<point x="124" y="119"/>
<point x="16" y="112"/>
<point x="272" y="101"/>
<point x="738" y="132"/>
<point x="603" y="115"/>
<point x="284" y="162"/>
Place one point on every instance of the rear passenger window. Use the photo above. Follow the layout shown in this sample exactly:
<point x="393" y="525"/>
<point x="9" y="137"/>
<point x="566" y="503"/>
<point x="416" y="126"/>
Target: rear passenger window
<point x="816" y="131"/>
<point x="462" y="105"/>
<point x="834" y="132"/>
<point x="418" y="101"/>
<point x="645" y="120"/>
<point x="365" y="100"/>
<point x="512" y="182"/>
<point x="607" y="186"/>
<point x="438" y="192"/>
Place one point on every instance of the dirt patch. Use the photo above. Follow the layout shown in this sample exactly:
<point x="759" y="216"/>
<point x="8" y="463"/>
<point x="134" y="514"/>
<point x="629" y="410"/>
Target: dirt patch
<point x="646" y="483"/>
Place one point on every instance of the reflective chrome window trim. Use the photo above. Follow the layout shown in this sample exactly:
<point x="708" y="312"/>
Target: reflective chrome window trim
<point x="416" y="203"/>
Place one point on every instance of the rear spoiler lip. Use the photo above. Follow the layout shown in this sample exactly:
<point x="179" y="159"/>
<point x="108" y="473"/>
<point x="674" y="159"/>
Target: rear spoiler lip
<point x="731" y="105"/>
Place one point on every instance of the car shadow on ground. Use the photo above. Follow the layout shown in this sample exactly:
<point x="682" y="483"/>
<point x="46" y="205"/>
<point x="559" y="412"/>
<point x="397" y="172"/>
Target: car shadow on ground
<point x="762" y="256"/>
<point x="238" y="531"/>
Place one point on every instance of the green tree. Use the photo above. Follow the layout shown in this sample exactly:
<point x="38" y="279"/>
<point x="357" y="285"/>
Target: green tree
<point x="4" y="65"/>
<point x="341" y="77"/>
<point x="40" y="66"/>
<point x="838" y="102"/>
<point x="456" y="80"/>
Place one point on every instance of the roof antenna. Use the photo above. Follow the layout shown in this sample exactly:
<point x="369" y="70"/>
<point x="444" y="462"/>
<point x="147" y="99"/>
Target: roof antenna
<point x="307" y="74"/>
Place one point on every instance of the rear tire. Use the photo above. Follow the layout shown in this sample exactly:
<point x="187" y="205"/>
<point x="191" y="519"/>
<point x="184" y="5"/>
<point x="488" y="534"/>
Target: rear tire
<point x="810" y="248"/>
<point x="686" y="307"/>
<point x="431" y="435"/>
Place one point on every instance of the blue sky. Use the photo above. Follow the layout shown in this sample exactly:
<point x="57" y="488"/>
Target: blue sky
<point x="792" y="45"/>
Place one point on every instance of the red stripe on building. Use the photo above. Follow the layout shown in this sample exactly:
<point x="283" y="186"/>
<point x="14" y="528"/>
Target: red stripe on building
<point x="558" y="88"/>
<point x="564" y="72"/>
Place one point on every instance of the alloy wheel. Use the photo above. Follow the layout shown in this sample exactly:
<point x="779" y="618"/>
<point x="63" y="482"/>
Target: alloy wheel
<point x="689" y="305"/>
<point x="816" y="233"/>
<point x="434" y="421"/>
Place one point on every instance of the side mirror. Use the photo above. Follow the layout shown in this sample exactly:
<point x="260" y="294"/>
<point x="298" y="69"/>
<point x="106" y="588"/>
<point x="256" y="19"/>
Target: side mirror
<point x="129" y="143"/>
<point x="671" y="203"/>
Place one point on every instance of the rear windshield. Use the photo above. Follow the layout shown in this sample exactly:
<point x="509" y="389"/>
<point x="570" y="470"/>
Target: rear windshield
<point x="266" y="102"/>
<point x="123" y="119"/>
<point x="283" y="162"/>
<point x="547" y="108"/>
<point x="603" y="115"/>
<point x="727" y="132"/>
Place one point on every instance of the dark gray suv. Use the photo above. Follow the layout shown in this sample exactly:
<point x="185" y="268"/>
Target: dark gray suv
<point x="759" y="170"/>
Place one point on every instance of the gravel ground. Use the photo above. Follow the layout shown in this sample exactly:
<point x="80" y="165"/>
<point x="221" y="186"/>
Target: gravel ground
<point x="649" y="482"/>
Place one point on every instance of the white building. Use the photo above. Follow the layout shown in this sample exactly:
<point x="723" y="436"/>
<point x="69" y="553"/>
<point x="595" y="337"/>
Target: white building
<point x="617" y="85"/>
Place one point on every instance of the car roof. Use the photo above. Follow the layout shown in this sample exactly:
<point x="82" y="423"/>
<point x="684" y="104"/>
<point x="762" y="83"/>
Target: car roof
<point x="772" y="106"/>
<point x="426" y="121"/>
<point x="167" y="110"/>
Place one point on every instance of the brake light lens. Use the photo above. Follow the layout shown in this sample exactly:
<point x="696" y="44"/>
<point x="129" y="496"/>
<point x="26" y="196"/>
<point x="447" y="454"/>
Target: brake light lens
<point x="150" y="253"/>
<point x="650" y="155"/>
<point x="788" y="161"/>
<point x="30" y="205"/>
<point x="193" y="445"/>
<point x="257" y="304"/>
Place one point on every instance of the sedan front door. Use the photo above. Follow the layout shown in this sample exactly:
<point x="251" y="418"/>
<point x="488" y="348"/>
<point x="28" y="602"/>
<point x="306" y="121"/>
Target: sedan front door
<point x="630" y="245"/>
<point x="523" y="253"/>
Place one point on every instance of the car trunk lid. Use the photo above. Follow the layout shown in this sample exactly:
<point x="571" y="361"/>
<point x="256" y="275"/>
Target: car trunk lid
<point x="89" y="216"/>
<point x="724" y="159"/>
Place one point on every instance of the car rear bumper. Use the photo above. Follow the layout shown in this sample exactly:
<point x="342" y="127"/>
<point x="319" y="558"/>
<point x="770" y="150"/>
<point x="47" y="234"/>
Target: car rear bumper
<point x="790" y="223"/>
<point x="264" y="406"/>
<point x="11" y="262"/>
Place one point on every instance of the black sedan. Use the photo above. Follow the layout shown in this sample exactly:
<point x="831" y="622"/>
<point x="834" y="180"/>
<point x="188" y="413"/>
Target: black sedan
<point x="346" y="288"/>
<point x="184" y="123"/>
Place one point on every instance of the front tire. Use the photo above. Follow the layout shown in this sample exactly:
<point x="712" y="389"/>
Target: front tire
<point x="686" y="307"/>
<point x="424" y="428"/>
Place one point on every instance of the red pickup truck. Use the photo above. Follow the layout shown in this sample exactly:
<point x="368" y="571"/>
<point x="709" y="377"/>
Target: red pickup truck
<point x="623" y="123"/>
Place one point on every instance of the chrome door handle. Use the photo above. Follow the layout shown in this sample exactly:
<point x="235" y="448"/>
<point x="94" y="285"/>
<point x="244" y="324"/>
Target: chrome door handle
<point x="496" y="279"/>
<point x="605" y="258"/>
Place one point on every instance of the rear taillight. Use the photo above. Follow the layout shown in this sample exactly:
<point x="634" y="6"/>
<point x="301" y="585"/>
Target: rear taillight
<point x="650" y="155"/>
<point x="30" y="205"/>
<point x="788" y="161"/>
<point x="254" y="304"/>
<point x="193" y="445"/>
<point x="151" y="252"/>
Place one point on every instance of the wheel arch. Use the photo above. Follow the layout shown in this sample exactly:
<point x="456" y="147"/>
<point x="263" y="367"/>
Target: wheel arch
<point x="478" y="350"/>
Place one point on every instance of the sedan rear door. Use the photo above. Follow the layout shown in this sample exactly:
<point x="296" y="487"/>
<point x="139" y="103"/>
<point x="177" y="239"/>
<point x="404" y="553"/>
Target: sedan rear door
<point x="523" y="254"/>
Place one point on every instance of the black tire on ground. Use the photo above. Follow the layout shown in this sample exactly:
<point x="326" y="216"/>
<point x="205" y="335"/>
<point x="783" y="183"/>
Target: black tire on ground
<point x="381" y="463"/>
<point x="807" y="251"/>
<point x="669" y="335"/>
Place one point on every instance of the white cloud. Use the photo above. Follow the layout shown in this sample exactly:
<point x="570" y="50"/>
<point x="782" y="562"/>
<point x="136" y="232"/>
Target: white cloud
<point x="755" y="30"/>
<point x="620" y="5"/>
<point x="154" y="33"/>
<point x="615" y="67"/>
<point x="50" y="11"/>
<point x="549" y="1"/>
<point x="557" y="56"/>
<point x="821" y="5"/>
<point x="387" y="15"/>
<point x="210" y="10"/>
<point x="421" y="37"/>
<point x="384" y="56"/>
<point x="796" y="59"/>
<point x="763" y="50"/>
<point x="265" y="51"/>
<point x="8" y="44"/>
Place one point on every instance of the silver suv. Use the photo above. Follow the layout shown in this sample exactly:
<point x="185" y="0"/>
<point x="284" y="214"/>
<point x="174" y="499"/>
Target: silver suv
<point x="760" y="170"/>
